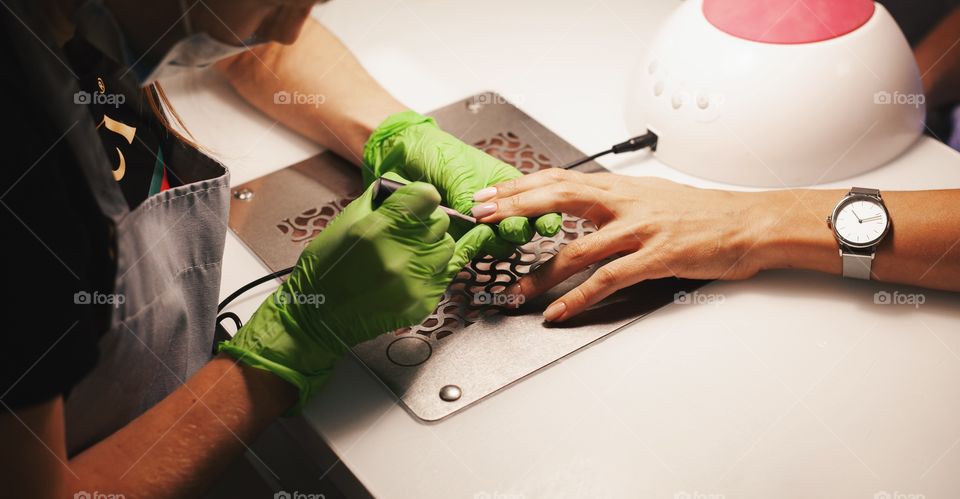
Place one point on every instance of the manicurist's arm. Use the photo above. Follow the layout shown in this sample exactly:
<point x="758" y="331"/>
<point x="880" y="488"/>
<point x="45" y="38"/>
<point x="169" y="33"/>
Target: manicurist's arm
<point x="317" y="87"/>
<point x="314" y="86"/>
<point x="176" y="449"/>
<point x="938" y="57"/>
<point x="373" y="269"/>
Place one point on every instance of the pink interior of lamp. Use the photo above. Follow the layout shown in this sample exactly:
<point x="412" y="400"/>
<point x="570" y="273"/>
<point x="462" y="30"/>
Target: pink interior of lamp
<point x="788" y="21"/>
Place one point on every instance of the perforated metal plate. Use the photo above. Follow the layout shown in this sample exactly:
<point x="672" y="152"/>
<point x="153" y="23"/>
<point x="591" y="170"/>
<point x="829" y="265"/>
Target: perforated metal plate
<point x="470" y="341"/>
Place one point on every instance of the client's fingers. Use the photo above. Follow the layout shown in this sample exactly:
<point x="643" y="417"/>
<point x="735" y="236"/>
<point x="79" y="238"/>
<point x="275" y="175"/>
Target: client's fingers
<point x="574" y="257"/>
<point x="580" y="200"/>
<point x="605" y="181"/>
<point x="608" y="279"/>
<point x="527" y="182"/>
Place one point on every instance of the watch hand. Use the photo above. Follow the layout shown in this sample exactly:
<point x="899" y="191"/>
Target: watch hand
<point x="855" y="214"/>
<point x="875" y="217"/>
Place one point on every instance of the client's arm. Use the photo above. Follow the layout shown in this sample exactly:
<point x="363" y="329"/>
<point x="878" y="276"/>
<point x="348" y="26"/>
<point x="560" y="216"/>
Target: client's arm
<point x="660" y="229"/>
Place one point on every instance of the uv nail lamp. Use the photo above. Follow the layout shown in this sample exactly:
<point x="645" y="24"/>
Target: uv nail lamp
<point x="778" y="92"/>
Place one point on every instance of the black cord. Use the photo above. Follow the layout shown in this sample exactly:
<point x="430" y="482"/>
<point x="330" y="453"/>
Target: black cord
<point x="247" y="287"/>
<point x="644" y="141"/>
<point x="220" y="333"/>
<point x="232" y="316"/>
<point x="585" y="159"/>
<point x="251" y="285"/>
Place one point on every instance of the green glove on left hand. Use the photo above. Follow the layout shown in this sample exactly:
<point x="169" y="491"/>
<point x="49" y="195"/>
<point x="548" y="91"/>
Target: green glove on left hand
<point x="371" y="270"/>
<point x="416" y="148"/>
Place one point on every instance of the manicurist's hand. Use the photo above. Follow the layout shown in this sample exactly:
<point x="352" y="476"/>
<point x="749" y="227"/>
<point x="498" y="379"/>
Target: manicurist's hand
<point x="415" y="147"/>
<point x="372" y="270"/>
<point x="655" y="228"/>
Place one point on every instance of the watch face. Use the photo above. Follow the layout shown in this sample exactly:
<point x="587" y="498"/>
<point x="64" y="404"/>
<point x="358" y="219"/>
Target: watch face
<point x="861" y="221"/>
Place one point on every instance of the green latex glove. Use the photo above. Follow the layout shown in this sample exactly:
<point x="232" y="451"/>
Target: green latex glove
<point x="415" y="147"/>
<point x="369" y="272"/>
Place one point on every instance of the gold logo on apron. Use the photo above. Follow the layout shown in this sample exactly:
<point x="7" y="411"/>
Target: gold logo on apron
<point x="124" y="130"/>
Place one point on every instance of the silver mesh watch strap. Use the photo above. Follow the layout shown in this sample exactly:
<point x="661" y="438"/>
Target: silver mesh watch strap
<point x="857" y="265"/>
<point x="865" y="191"/>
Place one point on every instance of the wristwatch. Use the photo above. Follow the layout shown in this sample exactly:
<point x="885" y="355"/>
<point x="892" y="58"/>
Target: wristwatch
<point x="860" y="221"/>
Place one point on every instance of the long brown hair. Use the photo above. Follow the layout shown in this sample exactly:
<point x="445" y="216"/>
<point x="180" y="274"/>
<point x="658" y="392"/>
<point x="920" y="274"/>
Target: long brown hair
<point x="165" y="112"/>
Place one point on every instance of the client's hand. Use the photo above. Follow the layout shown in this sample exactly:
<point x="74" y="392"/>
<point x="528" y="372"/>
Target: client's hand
<point x="657" y="227"/>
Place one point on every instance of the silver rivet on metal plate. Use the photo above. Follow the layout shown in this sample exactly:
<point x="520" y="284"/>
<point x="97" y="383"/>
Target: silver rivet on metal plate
<point x="450" y="393"/>
<point x="243" y="194"/>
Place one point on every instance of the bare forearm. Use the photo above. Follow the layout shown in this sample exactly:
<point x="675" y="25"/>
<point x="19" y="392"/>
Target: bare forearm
<point x="922" y="249"/>
<point x="316" y="87"/>
<point x="180" y="446"/>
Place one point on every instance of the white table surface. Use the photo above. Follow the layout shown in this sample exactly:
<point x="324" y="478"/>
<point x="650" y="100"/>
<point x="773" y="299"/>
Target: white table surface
<point x="797" y="385"/>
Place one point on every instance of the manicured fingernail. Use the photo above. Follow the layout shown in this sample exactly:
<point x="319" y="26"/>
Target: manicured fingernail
<point x="484" y="194"/>
<point x="554" y="311"/>
<point x="483" y="210"/>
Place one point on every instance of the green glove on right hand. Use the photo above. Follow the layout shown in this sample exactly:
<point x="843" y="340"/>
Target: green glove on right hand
<point x="369" y="272"/>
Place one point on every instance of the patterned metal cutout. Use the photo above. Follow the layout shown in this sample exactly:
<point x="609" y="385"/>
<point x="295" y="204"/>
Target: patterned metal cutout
<point x="507" y="147"/>
<point x="308" y="224"/>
